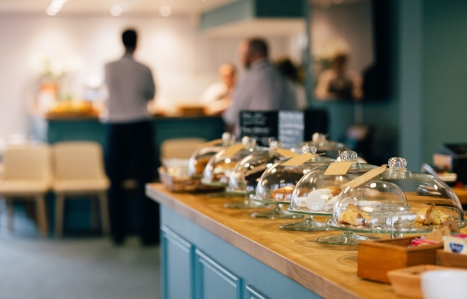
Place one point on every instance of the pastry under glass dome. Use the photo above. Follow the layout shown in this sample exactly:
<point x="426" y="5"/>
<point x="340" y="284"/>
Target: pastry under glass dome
<point x="317" y="192"/>
<point x="219" y="168"/>
<point x="330" y="148"/>
<point x="278" y="182"/>
<point x="200" y="158"/>
<point x="247" y="173"/>
<point x="419" y="204"/>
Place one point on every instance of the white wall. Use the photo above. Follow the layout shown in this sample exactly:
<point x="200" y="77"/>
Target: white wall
<point x="183" y="60"/>
<point x="350" y="22"/>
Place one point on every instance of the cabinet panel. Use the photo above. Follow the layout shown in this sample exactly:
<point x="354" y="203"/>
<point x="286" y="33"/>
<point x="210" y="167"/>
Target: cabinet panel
<point x="177" y="261"/>
<point x="213" y="281"/>
<point x="252" y="293"/>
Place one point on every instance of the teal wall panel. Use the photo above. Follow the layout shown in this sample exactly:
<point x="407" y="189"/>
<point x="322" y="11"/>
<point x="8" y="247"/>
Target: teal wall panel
<point x="279" y="9"/>
<point x="444" y="73"/>
<point x="229" y="13"/>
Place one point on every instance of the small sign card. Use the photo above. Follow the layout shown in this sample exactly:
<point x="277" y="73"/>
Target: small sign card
<point x="232" y="150"/>
<point x="298" y="160"/>
<point x="286" y="153"/>
<point x="338" y="168"/>
<point x="366" y="177"/>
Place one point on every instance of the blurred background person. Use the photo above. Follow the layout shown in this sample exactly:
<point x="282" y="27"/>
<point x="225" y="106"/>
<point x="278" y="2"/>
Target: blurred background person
<point x="339" y="83"/>
<point x="261" y="87"/>
<point x="217" y="97"/>
<point x="292" y="74"/>
<point x="129" y="137"/>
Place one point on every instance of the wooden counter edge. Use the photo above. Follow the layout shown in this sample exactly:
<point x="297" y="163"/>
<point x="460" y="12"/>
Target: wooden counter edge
<point x="310" y="280"/>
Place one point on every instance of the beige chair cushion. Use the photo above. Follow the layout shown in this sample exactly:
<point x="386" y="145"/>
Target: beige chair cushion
<point x="181" y="148"/>
<point x="78" y="160"/>
<point x="78" y="186"/>
<point x="23" y="187"/>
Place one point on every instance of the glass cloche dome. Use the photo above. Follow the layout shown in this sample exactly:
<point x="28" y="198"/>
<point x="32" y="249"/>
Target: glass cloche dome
<point x="278" y="182"/>
<point x="219" y="168"/>
<point x="200" y="158"/>
<point x="373" y="207"/>
<point x="246" y="174"/>
<point x="330" y="149"/>
<point x="317" y="192"/>
<point x="431" y="199"/>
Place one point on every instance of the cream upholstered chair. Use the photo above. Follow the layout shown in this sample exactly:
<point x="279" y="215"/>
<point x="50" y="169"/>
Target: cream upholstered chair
<point x="181" y="148"/>
<point x="79" y="170"/>
<point x="27" y="175"/>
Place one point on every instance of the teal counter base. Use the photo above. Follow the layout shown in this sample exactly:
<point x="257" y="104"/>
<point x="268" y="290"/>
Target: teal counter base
<point x="199" y="265"/>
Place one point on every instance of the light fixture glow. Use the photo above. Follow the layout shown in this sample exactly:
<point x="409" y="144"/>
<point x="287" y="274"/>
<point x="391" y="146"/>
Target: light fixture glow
<point x="165" y="10"/>
<point x="116" y="10"/>
<point x="55" y="7"/>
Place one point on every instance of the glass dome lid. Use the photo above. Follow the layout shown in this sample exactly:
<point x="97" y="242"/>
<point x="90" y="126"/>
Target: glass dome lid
<point x="278" y="181"/>
<point x="317" y="191"/>
<point x="373" y="207"/>
<point x="330" y="149"/>
<point x="248" y="171"/>
<point x="200" y="158"/>
<point x="219" y="168"/>
<point x="431" y="199"/>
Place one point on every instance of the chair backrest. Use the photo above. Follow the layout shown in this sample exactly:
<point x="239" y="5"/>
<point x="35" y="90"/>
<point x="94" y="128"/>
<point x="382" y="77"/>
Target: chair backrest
<point x="77" y="160"/>
<point x="27" y="162"/>
<point x="181" y="148"/>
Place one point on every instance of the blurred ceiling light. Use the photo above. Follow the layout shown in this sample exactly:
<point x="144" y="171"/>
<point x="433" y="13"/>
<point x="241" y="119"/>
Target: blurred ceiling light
<point x="165" y="10"/>
<point x="325" y="4"/>
<point x="116" y="10"/>
<point x="55" y="7"/>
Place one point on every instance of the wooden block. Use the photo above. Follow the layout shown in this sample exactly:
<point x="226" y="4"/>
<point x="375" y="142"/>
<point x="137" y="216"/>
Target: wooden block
<point x="449" y="259"/>
<point x="376" y="258"/>
<point x="406" y="281"/>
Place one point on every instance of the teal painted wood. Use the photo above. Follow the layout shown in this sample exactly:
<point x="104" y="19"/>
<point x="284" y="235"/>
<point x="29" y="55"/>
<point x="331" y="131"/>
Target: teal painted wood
<point x="177" y="266"/>
<point x="266" y="281"/>
<point x="241" y="10"/>
<point x="232" y="12"/>
<point x="213" y="281"/>
<point x="252" y="293"/>
<point x="279" y="9"/>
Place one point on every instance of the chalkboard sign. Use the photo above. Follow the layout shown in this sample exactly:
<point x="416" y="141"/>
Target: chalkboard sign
<point x="285" y="126"/>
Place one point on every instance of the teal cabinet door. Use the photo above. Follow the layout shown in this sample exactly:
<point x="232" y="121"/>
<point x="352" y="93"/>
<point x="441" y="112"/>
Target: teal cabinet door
<point x="214" y="281"/>
<point x="252" y="293"/>
<point x="177" y="261"/>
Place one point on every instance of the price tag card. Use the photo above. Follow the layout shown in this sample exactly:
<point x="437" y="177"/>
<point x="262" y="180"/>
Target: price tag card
<point x="211" y="143"/>
<point x="338" y="168"/>
<point x="286" y="153"/>
<point x="298" y="160"/>
<point x="366" y="177"/>
<point x="232" y="150"/>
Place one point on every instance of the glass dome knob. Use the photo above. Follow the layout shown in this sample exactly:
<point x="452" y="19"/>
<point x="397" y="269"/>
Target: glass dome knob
<point x="318" y="137"/>
<point x="248" y="142"/>
<point x="348" y="156"/>
<point x="397" y="163"/>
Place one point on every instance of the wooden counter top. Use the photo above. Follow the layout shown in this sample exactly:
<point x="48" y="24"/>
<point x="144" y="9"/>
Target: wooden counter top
<point x="328" y="270"/>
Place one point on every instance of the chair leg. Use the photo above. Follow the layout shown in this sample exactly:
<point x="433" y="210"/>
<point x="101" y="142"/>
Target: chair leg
<point x="94" y="214"/>
<point x="59" y="211"/>
<point x="9" y="213"/>
<point x="104" y="214"/>
<point x="41" y="213"/>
